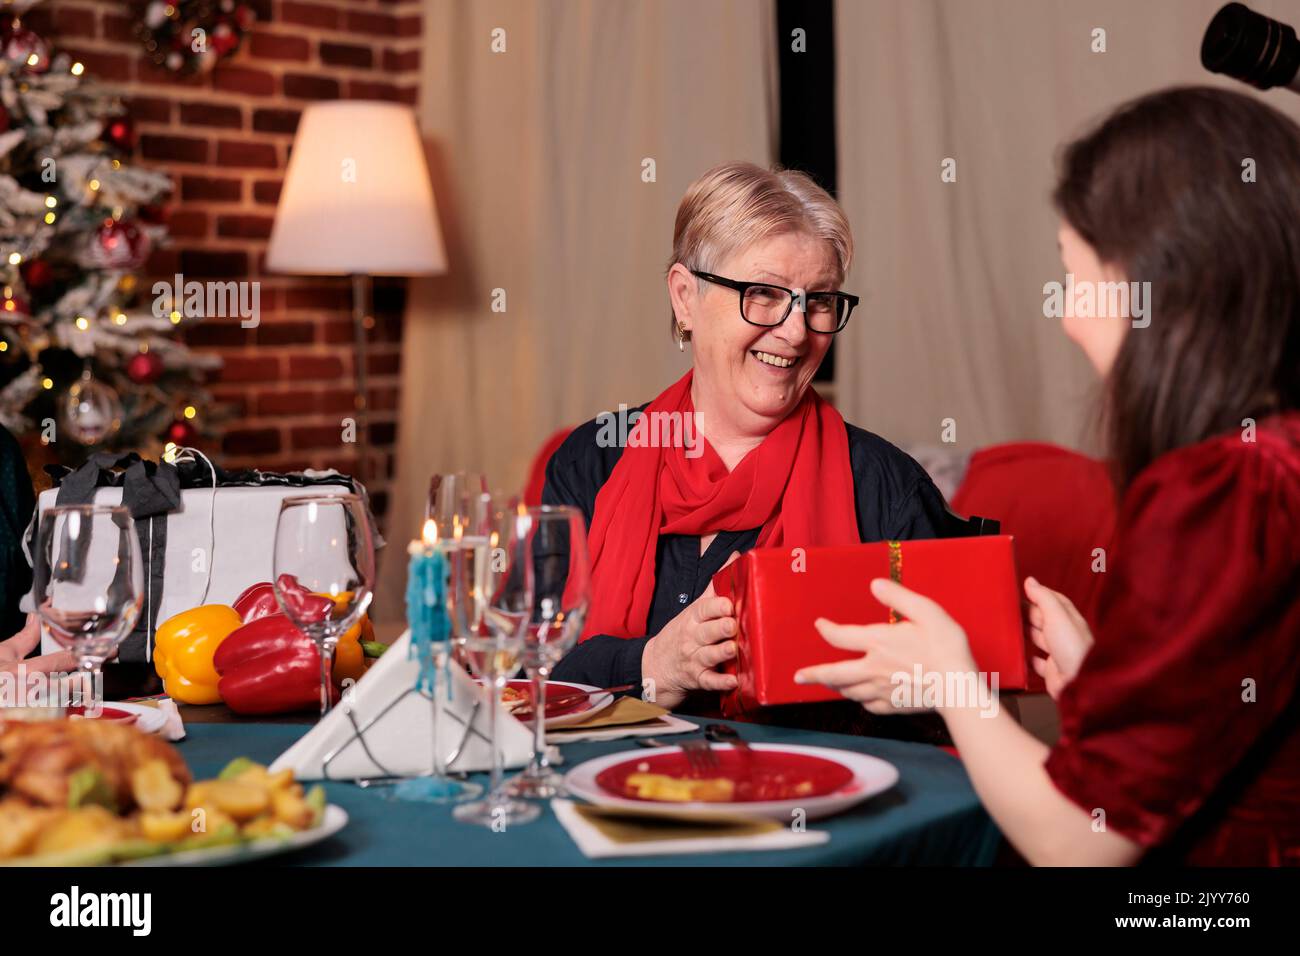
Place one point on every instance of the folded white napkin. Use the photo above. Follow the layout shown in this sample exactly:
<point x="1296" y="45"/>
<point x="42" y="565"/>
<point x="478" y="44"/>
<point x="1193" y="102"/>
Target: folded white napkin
<point x="399" y="737"/>
<point x="595" y="845"/>
<point x="174" y="728"/>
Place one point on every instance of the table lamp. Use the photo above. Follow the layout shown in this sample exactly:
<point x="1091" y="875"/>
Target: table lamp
<point x="357" y="201"/>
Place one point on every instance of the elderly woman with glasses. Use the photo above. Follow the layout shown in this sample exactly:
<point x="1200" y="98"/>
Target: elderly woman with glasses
<point x="740" y="452"/>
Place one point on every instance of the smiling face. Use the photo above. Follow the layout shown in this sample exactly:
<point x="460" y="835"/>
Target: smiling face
<point x="748" y="376"/>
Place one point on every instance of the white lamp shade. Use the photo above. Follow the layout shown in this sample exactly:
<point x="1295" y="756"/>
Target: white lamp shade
<point x="356" y="199"/>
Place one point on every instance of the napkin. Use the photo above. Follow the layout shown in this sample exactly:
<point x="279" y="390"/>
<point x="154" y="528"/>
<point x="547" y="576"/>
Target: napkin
<point x="174" y="728"/>
<point x="399" y="740"/>
<point x="602" y="832"/>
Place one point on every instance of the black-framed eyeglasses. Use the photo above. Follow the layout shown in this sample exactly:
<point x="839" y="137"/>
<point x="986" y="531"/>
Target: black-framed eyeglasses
<point x="768" y="305"/>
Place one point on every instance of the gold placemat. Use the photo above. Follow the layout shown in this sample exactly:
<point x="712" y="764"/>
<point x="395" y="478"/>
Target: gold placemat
<point x="624" y="711"/>
<point x="634" y="826"/>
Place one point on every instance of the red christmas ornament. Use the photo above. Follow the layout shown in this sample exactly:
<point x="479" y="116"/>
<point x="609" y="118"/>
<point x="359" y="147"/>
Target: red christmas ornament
<point x="121" y="245"/>
<point x="14" y="305"/>
<point x="37" y="274"/>
<point x="144" y="368"/>
<point x="223" y="41"/>
<point x="119" y="132"/>
<point x="28" y="50"/>
<point x="181" y="432"/>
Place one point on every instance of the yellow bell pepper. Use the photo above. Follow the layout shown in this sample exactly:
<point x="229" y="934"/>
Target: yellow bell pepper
<point x="349" y="658"/>
<point x="183" y="649"/>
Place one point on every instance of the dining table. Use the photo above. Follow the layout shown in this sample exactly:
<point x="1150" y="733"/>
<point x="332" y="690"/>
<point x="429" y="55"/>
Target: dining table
<point x="931" y="816"/>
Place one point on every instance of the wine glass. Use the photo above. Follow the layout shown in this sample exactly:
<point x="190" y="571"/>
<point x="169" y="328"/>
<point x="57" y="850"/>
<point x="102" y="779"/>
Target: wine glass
<point x="491" y="599"/>
<point x="324" y="570"/>
<point x="451" y="497"/>
<point x="88" y="583"/>
<point x="561" y="593"/>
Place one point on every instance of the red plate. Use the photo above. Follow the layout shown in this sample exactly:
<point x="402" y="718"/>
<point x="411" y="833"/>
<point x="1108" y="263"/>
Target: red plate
<point x="553" y="690"/>
<point x="105" y="713"/>
<point x="759" y="775"/>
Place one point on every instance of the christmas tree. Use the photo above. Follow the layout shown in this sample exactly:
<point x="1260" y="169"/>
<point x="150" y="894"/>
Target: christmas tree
<point x="85" y="363"/>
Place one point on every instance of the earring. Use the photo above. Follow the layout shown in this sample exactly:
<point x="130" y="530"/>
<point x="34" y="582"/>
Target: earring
<point x="681" y="338"/>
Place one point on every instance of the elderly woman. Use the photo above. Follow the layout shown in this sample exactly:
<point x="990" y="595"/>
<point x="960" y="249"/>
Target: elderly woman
<point x="758" y="258"/>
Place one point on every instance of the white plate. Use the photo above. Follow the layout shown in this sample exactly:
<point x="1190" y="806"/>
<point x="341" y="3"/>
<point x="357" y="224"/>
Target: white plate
<point x="335" y="819"/>
<point x="598" y="703"/>
<point x="149" y="719"/>
<point x="871" y="776"/>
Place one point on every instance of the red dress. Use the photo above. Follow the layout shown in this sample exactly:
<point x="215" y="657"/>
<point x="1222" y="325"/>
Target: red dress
<point x="1183" y="723"/>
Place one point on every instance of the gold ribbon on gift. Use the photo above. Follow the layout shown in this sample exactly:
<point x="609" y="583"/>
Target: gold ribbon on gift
<point x="895" y="572"/>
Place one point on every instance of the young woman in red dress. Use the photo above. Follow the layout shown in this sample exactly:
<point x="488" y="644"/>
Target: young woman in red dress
<point x="1180" y="717"/>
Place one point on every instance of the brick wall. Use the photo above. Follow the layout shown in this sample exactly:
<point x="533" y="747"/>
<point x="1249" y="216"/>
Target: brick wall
<point x="224" y="138"/>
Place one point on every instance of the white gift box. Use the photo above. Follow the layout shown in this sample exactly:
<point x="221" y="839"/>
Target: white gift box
<point x="218" y="542"/>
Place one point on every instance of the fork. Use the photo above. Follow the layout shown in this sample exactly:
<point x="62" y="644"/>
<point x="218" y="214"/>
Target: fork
<point x="699" y="755"/>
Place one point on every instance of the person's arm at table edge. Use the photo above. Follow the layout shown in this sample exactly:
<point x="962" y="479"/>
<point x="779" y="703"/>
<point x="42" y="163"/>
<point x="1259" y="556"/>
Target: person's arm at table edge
<point x="1006" y="766"/>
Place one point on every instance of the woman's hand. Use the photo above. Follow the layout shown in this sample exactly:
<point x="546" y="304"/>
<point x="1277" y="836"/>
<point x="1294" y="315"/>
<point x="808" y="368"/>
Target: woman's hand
<point x="13" y="652"/>
<point x="1058" y="629"/>
<point x="685" y="654"/>
<point x="884" y="679"/>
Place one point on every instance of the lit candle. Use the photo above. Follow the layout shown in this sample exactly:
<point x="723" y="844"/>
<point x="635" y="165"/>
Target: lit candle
<point x="426" y="603"/>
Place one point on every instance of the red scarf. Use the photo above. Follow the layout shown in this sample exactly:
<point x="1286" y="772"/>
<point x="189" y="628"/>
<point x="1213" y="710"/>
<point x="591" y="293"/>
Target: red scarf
<point x="797" y="486"/>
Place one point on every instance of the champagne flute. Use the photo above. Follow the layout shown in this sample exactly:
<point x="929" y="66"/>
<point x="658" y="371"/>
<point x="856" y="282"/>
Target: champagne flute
<point x="561" y="594"/>
<point x="324" y="570"/>
<point x="88" y="583"/>
<point x="491" y="599"/>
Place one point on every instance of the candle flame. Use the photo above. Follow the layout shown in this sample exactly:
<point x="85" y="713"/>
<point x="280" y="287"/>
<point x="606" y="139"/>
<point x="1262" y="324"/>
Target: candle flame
<point x="430" y="533"/>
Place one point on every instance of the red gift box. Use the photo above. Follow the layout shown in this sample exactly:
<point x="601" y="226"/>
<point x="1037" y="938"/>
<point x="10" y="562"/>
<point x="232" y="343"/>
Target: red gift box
<point x="779" y="592"/>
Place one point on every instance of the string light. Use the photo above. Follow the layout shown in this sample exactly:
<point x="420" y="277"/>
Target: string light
<point x="175" y="317"/>
<point x="51" y="202"/>
<point x="15" y="258"/>
<point x="190" y="411"/>
<point x="82" y="323"/>
<point x="4" y="346"/>
<point x="78" y="69"/>
<point x="119" y="319"/>
<point x="47" y="383"/>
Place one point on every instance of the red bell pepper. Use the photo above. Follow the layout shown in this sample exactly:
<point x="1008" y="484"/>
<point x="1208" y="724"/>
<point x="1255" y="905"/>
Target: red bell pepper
<point x="268" y="666"/>
<point x="301" y="604"/>
<point x="257" y="600"/>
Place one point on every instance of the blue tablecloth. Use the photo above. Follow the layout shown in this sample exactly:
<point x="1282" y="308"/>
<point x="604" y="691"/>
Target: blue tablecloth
<point x="931" y="817"/>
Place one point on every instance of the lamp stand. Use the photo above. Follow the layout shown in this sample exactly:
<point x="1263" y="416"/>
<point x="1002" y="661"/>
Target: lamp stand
<point x="361" y="400"/>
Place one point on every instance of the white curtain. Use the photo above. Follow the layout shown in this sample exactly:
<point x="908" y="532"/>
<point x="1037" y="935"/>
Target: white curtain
<point x="951" y="324"/>
<point x="539" y="157"/>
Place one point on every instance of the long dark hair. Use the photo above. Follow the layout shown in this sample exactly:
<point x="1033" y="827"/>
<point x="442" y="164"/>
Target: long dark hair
<point x="1196" y="190"/>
